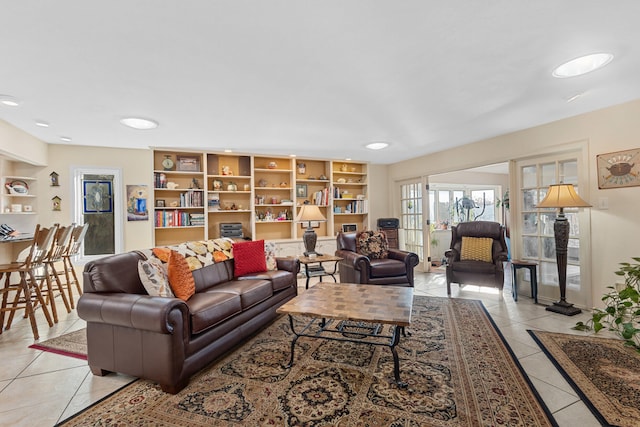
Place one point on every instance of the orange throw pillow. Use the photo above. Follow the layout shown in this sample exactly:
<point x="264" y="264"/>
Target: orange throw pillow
<point x="248" y="257"/>
<point x="162" y="254"/>
<point x="180" y="277"/>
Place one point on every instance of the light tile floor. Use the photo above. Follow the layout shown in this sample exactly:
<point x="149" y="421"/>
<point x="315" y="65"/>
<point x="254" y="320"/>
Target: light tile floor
<point x="40" y="388"/>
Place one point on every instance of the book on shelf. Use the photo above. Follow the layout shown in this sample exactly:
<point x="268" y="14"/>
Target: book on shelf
<point x="191" y="199"/>
<point x="175" y="218"/>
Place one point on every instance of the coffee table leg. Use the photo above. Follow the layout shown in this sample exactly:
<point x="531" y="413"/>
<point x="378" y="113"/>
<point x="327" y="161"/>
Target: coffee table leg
<point x="396" y="360"/>
<point x="293" y="342"/>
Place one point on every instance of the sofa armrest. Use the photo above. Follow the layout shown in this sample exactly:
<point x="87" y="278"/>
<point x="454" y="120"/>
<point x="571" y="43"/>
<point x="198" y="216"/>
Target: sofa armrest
<point x="288" y="264"/>
<point x="500" y="257"/>
<point x="452" y="255"/>
<point x="354" y="259"/>
<point x="409" y="258"/>
<point x="132" y="311"/>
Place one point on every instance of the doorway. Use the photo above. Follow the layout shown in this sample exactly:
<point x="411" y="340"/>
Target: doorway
<point x="98" y="199"/>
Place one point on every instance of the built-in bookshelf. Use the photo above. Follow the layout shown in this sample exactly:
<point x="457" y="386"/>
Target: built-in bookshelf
<point x="197" y="194"/>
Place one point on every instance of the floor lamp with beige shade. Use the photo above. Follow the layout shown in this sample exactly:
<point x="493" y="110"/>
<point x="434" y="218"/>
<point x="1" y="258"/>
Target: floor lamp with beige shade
<point x="309" y="214"/>
<point x="562" y="196"/>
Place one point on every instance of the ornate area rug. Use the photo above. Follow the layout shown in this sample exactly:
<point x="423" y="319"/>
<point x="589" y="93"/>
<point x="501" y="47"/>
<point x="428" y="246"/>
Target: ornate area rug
<point x="460" y="373"/>
<point x="73" y="344"/>
<point x="604" y="372"/>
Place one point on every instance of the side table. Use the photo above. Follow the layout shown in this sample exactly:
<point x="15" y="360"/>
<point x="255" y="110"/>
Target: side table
<point x="532" y="267"/>
<point x="313" y="270"/>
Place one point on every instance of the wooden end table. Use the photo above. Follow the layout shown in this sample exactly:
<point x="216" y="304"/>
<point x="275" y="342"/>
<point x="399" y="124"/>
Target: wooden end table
<point x="330" y="305"/>
<point x="311" y="270"/>
<point x="532" y="267"/>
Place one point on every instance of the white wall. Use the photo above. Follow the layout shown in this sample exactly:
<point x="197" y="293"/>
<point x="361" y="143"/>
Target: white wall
<point x="136" y="168"/>
<point x="614" y="231"/>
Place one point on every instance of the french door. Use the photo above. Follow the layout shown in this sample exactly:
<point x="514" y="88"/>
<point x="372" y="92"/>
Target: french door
<point x="412" y="221"/>
<point x="536" y="240"/>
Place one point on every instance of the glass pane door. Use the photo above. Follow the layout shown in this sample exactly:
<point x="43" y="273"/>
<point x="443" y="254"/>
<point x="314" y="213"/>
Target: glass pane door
<point x="411" y="218"/>
<point x="536" y="226"/>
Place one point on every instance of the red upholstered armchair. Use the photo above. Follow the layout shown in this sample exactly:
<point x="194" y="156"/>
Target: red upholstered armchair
<point x="478" y="250"/>
<point x="394" y="269"/>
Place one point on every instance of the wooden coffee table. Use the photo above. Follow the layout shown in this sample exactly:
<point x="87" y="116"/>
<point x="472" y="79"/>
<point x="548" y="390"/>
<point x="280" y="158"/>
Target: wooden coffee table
<point x="332" y="307"/>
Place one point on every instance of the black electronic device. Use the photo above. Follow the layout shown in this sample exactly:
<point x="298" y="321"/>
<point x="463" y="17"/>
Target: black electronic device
<point x="231" y="229"/>
<point x="388" y="223"/>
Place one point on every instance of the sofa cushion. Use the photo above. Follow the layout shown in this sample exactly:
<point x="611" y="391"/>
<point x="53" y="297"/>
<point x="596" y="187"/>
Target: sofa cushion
<point x="207" y="309"/>
<point x="476" y="249"/>
<point x="248" y="257"/>
<point x="180" y="277"/>
<point x="474" y="267"/>
<point x="251" y="292"/>
<point x="372" y="244"/>
<point x="387" y="267"/>
<point x="154" y="277"/>
<point x="280" y="279"/>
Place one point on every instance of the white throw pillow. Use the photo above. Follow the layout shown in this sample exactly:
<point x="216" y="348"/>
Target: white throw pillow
<point x="154" y="277"/>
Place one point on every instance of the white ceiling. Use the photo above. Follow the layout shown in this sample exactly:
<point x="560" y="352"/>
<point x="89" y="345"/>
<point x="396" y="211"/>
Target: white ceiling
<point x="315" y="78"/>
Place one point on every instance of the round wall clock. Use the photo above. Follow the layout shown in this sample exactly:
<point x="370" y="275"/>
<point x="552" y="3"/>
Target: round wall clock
<point x="619" y="169"/>
<point x="167" y="163"/>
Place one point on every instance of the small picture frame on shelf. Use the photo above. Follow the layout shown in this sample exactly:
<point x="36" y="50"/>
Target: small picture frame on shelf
<point x="301" y="190"/>
<point x="348" y="228"/>
<point x="160" y="203"/>
<point x="188" y="164"/>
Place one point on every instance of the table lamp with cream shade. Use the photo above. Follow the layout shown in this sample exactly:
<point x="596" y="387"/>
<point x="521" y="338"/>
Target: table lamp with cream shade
<point x="562" y="196"/>
<point x="309" y="213"/>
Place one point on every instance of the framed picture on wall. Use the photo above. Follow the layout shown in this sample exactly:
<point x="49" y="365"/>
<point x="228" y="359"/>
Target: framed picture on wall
<point x="619" y="169"/>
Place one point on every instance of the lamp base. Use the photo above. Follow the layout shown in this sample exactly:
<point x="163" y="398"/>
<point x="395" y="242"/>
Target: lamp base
<point x="305" y="253"/>
<point x="563" y="307"/>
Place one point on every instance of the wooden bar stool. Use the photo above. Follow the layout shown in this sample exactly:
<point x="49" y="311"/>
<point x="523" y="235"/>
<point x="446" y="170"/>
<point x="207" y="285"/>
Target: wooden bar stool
<point x="73" y="249"/>
<point x="48" y="275"/>
<point x="23" y="290"/>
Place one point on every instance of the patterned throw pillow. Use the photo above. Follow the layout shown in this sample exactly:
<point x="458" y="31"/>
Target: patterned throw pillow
<point x="180" y="277"/>
<point x="372" y="244"/>
<point x="154" y="277"/>
<point x="249" y="258"/>
<point x="270" y="255"/>
<point x="476" y="249"/>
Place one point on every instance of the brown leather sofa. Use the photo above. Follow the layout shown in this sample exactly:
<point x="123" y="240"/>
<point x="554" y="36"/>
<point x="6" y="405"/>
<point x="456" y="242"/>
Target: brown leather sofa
<point x="396" y="269"/>
<point x="166" y="339"/>
<point x="473" y="272"/>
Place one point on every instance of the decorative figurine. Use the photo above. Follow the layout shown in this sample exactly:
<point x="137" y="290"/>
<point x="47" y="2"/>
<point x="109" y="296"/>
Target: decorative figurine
<point x="54" y="179"/>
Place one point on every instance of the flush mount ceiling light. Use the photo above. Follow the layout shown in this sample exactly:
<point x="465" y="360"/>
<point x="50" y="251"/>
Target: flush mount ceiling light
<point x="139" y="123"/>
<point x="379" y="145"/>
<point x="582" y="65"/>
<point x="9" y="101"/>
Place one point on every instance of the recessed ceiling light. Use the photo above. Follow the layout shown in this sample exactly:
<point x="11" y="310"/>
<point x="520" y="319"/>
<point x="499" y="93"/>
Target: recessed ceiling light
<point x="377" y="145"/>
<point x="9" y="101"/>
<point x="292" y="155"/>
<point x="139" y="123"/>
<point x="42" y="123"/>
<point x="65" y="138"/>
<point x="582" y="65"/>
<point x="228" y="151"/>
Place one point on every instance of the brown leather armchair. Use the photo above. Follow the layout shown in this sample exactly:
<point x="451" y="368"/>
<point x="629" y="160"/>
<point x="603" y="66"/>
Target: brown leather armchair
<point x="474" y="272"/>
<point x="396" y="269"/>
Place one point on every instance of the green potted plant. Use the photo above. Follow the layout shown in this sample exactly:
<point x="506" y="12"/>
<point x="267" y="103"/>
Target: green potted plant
<point x="621" y="314"/>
